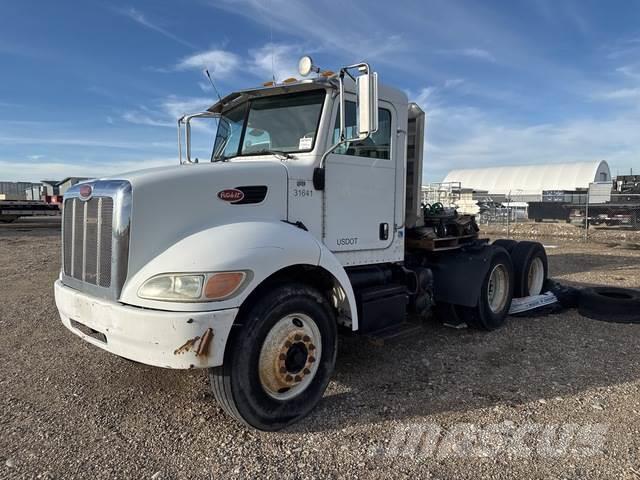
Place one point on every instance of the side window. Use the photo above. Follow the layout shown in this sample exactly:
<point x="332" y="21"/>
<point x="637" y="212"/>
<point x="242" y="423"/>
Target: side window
<point x="377" y="145"/>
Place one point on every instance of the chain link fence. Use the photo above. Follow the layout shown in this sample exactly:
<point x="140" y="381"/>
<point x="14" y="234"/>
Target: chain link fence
<point x="586" y="217"/>
<point x="594" y="215"/>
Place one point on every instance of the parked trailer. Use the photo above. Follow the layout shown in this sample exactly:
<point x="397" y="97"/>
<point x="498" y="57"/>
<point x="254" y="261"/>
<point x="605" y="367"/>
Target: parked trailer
<point x="11" y="210"/>
<point x="306" y="220"/>
<point x="610" y="214"/>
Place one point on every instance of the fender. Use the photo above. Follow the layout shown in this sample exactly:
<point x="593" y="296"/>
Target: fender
<point x="262" y="247"/>
<point x="329" y="262"/>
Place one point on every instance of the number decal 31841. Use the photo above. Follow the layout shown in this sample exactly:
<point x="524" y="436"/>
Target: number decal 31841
<point x="302" y="192"/>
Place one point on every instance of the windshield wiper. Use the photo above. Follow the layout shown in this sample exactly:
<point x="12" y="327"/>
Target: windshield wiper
<point x="278" y="153"/>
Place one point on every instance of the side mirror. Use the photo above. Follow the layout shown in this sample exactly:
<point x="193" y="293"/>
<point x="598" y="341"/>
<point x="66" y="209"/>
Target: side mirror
<point x="367" y="103"/>
<point x="366" y="106"/>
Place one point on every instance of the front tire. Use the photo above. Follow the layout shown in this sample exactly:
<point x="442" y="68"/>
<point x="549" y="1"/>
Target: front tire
<point x="279" y="359"/>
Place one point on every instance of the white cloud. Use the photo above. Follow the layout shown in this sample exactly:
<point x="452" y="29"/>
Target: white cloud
<point x="14" y="171"/>
<point x="280" y="59"/>
<point x="76" y="141"/>
<point x="177" y="106"/>
<point x="141" y="19"/>
<point x="453" y="82"/>
<point x="356" y="31"/>
<point x="219" y="62"/>
<point x="466" y="137"/>
<point x="425" y="98"/>
<point x="141" y="118"/>
<point x="472" y="52"/>
<point x="170" y="109"/>
<point x="629" y="71"/>
<point x="620" y="94"/>
<point x="205" y="87"/>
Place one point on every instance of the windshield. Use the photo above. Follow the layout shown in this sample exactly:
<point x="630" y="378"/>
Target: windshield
<point x="281" y="123"/>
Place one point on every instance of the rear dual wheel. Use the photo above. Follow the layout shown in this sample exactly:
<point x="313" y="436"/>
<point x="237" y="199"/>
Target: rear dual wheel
<point x="530" y="268"/>
<point x="279" y="359"/>
<point x="496" y="294"/>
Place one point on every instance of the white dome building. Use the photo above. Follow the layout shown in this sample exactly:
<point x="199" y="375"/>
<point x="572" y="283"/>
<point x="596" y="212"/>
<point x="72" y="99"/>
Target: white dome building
<point x="532" y="179"/>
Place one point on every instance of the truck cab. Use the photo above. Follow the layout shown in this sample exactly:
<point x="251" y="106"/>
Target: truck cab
<point x="302" y="217"/>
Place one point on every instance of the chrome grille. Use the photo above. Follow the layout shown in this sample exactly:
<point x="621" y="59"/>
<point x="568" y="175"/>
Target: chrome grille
<point x="67" y="226"/>
<point x="95" y="238"/>
<point x="104" y="244"/>
<point x="87" y="240"/>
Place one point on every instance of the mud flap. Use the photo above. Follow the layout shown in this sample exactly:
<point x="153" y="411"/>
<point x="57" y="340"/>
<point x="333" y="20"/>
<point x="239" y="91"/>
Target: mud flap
<point x="458" y="276"/>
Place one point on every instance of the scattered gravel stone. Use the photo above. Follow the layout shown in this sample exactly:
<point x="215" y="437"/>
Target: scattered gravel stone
<point x="71" y="410"/>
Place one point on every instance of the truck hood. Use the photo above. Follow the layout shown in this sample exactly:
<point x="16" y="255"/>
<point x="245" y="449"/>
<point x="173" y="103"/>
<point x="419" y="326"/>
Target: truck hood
<point x="171" y="203"/>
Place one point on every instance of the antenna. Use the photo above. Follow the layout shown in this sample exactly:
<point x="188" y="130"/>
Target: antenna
<point x="206" y="71"/>
<point x="273" y="74"/>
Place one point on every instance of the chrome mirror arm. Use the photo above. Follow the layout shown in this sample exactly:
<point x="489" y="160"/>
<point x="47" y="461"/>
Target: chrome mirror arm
<point x="186" y="121"/>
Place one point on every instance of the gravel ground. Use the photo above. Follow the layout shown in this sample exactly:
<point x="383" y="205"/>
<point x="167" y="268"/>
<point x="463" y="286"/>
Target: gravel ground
<point x="70" y="410"/>
<point x="564" y="231"/>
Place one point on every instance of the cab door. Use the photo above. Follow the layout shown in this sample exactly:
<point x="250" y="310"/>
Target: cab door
<point x="360" y="186"/>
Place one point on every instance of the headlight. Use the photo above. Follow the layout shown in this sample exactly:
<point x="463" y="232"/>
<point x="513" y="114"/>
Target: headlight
<point x="177" y="287"/>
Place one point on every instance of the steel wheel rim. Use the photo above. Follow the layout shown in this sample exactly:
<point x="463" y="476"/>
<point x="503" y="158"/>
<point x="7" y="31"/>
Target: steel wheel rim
<point x="290" y="356"/>
<point x="498" y="288"/>
<point x="535" y="276"/>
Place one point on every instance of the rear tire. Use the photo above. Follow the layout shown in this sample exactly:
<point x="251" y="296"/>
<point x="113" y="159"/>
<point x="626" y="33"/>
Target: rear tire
<point x="505" y="243"/>
<point x="496" y="294"/>
<point x="278" y="361"/>
<point x="530" y="268"/>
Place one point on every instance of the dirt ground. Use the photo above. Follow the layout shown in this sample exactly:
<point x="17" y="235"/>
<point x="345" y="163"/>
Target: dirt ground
<point x="71" y="410"/>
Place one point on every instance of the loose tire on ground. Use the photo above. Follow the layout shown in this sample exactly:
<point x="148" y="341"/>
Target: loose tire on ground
<point x="530" y="268"/>
<point x="278" y="361"/>
<point x="610" y="304"/>
<point x="496" y="294"/>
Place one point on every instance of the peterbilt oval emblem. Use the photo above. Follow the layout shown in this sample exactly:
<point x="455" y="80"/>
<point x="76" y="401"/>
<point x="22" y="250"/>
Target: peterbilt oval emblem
<point x="85" y="192"/>
<point x="231" y="195"/>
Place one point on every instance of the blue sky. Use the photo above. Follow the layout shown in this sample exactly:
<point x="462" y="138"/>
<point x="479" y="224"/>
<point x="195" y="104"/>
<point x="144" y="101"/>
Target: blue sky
<point x="94" y="88"/>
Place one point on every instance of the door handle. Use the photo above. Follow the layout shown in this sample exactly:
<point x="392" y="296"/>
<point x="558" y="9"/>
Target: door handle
<point x="384" y="231"/>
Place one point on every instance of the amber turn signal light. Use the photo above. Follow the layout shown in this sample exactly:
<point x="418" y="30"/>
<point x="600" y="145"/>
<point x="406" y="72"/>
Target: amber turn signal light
<point x="222" y="285"/>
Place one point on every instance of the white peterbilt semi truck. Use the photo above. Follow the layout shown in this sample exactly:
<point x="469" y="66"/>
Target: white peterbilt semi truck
<point x="306" y="220"/>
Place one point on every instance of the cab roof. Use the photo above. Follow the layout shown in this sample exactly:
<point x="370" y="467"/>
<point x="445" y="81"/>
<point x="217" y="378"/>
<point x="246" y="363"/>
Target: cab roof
<point x="235" y="98"/>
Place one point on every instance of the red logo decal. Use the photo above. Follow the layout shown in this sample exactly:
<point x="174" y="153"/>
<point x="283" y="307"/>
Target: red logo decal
<point x="231" y="195"/>
<point x="85" y="192"/>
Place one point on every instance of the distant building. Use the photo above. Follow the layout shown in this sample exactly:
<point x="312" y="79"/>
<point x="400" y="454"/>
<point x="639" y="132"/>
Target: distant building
<point x="35" y="191"/>
<point x="50" y="187"/>
<point x="69" y="182"/>
<point x="15" y="190"/>
<point x="59" y="187"/>
<point x="521" y="180"/>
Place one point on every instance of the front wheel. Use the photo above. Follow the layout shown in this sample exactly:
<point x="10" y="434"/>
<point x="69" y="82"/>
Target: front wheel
<point x="278" y="362"/>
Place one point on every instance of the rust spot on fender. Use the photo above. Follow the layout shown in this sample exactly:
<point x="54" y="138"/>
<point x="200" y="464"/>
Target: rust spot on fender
<point x="205" y="341"/>
<point x="186" y="346"/>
